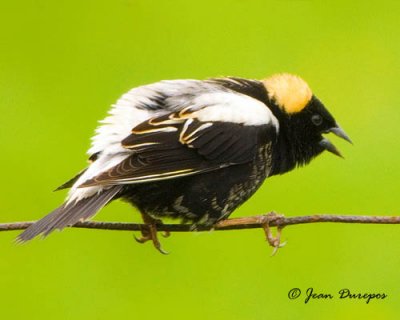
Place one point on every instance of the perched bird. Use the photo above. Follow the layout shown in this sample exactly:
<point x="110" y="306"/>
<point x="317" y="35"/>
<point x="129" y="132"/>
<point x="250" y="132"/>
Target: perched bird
<point x="195" y="150"/>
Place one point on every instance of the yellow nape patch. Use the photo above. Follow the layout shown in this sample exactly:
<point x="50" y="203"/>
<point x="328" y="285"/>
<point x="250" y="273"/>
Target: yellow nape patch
<point x="290" y="92"/>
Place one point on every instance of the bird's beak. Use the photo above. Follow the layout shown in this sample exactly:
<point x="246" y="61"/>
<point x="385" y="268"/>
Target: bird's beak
<point x="327" y="145"/>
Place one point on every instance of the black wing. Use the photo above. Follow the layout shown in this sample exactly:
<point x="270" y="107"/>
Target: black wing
<point x="179" y="144"/>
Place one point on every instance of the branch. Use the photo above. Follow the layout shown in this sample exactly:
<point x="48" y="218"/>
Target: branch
<point x="253" y="222"/>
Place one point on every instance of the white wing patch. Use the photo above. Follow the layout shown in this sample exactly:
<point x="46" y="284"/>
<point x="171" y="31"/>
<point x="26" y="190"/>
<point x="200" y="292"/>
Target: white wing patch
<point x="134" y="107"/>
<point x="233" y="107"/>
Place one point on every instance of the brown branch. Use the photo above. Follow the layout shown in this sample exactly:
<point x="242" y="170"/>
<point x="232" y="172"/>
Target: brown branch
<point x="252" y="222"/>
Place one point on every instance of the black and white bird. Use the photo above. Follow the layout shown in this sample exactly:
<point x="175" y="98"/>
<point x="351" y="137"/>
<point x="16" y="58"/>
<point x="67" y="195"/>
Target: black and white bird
<point x="195" y="149"/>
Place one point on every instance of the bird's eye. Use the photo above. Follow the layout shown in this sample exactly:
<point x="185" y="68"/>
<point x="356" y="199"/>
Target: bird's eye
<point x="316" y="119"/>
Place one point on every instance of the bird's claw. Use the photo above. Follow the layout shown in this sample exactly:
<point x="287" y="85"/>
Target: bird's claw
<point x="149" y="233"/>
<point x="275" y="249"/>
<point x="166" y="234"/>
<point x="142" y="239"/>
<point x="274" y="241"/>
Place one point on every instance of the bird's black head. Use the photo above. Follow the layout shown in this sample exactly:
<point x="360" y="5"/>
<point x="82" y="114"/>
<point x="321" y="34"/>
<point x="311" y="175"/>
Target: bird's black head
<point x="303" y="121"/>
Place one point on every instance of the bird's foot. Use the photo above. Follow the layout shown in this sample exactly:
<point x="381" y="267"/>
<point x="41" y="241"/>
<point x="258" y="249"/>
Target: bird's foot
<point x="149" y="233"/>
<point x="274" y="241"/>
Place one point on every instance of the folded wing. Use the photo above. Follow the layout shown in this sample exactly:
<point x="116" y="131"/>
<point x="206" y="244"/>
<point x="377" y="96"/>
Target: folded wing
<point x="215" y="131"/>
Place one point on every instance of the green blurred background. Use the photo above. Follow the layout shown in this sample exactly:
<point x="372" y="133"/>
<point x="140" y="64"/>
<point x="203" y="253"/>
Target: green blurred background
<point x="63" y="63"/>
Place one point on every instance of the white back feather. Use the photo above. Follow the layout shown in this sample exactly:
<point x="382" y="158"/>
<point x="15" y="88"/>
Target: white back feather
<point x="213" y="102"/>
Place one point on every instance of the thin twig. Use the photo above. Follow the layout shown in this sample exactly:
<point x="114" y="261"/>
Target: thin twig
<point x="230" y="224"/>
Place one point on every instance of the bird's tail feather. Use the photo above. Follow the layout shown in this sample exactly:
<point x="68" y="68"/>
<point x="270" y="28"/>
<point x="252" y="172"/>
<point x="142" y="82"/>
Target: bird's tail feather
<point x="69" y="213"/>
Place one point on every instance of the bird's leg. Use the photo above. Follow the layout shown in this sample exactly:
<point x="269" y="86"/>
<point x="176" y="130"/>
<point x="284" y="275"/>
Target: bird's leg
<point x="274" y="241"/>
<point x="149" y="232"/>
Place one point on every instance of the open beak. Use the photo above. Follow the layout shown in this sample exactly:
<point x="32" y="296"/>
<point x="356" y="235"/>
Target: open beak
<point x="327" y="145"/>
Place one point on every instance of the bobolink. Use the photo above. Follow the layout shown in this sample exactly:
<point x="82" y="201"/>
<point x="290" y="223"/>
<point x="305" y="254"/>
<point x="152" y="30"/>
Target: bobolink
<point x="194" y="149"/>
